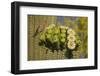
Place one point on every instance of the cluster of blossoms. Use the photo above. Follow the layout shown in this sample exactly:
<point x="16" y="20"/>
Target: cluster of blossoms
<point x="71" y="39"/>
<point x="59" y="38"/>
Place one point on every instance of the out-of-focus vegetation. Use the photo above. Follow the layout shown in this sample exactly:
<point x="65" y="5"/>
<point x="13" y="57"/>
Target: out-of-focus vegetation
<point x="80" y="25"/>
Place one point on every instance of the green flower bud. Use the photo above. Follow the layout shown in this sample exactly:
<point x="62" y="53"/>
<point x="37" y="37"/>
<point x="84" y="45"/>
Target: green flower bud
<point x="56" y="31"/>
<point x="63" y="30"/>
<point x="55" y="38"/>
<point x="63" y="35"/>
<point x="48" y="36"/>
<point x="49" y="31"/>
<point x="63" y="40"/>
<point x="42" y="37"/>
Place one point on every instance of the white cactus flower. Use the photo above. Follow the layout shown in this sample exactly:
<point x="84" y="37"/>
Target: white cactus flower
<point x="71" y="37"/>
<point x="70" y="31"/>
<point x="71" y="45"/>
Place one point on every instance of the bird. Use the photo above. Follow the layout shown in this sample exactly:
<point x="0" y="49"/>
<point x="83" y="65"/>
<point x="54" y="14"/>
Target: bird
<point x="38" y="30"/>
